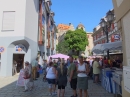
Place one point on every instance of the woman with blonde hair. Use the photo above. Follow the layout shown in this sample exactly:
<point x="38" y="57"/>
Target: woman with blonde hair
<point x="61" y="75"/>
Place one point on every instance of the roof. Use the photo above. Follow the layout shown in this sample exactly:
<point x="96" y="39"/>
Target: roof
<point x="63" y="27"/>
<point x="81" y="25"/>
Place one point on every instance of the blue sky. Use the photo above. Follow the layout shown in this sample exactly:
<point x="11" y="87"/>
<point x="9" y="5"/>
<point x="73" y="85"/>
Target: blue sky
<point x="88" y="12"/>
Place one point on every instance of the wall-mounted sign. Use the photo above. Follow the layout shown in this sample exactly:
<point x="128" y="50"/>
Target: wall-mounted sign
<point x="2" y="49"/>
<point x="20" y="48"/>
<point x="116" y="36"/>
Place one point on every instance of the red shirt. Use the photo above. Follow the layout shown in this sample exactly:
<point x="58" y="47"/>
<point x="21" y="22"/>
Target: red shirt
<point x="106" y="62"/>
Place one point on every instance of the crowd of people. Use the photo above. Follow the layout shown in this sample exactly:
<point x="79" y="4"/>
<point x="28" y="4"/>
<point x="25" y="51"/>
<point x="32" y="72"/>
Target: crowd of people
<point x="58" y="72"/>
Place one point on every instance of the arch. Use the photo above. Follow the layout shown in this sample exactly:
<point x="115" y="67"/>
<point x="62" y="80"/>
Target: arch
<point x="22" y="42"/>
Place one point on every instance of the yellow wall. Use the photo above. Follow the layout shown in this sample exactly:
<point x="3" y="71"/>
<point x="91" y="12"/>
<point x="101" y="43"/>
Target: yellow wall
<point x="122" y="12"/>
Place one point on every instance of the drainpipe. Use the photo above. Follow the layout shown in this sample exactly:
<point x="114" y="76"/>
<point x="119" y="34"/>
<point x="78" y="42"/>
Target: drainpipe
<point x="40" y="23"/>
<point x="45" y="34"/>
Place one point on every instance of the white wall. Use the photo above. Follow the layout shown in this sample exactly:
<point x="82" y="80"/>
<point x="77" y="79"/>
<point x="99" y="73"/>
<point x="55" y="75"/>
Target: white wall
<point x="19" y="7"/>
<point x="31" y="25"/>
<point x="31" y="19"/>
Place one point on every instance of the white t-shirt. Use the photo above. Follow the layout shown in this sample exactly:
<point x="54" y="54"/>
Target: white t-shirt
<point x="82" y="68"/>
<point x="50" y="73"/>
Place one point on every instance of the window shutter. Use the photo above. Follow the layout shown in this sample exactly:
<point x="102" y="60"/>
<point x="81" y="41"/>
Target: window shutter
<point x="8" y="21"/>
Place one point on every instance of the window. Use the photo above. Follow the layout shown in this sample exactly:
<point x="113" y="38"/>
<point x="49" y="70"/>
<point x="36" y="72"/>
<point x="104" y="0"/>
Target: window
<point x="8" y="21"/>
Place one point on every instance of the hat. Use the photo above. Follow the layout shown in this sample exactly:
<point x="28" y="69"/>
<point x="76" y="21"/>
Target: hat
<point x="27" y="62"/>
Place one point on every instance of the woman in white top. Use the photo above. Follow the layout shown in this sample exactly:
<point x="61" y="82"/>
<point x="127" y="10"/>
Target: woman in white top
<point x="82" y="80"/>
<point x="51" y="78"/>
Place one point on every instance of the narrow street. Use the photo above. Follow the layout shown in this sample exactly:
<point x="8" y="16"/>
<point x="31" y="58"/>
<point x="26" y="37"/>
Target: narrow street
<point x="8" y="84"/>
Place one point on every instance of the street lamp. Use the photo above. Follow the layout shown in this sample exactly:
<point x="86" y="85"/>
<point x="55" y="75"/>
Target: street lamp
<point x="105" y="23"/>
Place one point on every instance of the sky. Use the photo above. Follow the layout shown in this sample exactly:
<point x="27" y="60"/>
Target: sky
<point x="87" y="12"/>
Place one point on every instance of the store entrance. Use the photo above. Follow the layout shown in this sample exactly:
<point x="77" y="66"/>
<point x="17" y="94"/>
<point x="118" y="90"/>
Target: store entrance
<point x="19" y="60"/>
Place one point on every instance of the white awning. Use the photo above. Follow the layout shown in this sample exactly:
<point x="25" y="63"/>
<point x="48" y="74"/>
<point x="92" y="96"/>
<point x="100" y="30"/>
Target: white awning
<point x="100" y="48"/>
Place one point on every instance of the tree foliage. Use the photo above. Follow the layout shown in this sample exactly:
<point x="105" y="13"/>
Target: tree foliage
<point x="76" y="40"/>
<point x="62" y="47"/>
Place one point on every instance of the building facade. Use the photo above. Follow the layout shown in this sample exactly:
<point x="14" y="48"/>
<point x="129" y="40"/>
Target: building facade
<point x="99" y="37"/>
<point x="62" y="29"/>
<point x="26" y="28"/>
<point x="90" y="44"/>
<point x="122" y="13"/>
<point x="114" y="34"/>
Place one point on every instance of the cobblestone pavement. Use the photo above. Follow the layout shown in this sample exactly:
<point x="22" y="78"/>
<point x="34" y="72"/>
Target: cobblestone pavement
<point x="7" y="89"/>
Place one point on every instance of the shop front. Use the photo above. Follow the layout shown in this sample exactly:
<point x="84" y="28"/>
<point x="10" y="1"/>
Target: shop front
<point x="18" y="51"/>
<point x="111" y="76"/>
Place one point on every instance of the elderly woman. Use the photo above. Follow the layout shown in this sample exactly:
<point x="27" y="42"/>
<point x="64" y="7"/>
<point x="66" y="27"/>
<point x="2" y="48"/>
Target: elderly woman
<point x="27" y="75"/>
<point x="82" y="80"/>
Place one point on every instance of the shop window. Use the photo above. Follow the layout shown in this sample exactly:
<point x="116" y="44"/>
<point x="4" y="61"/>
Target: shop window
<point x="8" y="23"/>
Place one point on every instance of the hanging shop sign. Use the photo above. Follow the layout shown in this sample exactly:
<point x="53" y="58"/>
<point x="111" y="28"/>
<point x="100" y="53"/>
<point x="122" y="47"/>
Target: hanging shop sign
<point x="2" y="49"/>
<point x="20" y="48"/>
<point x="116" y="36"/>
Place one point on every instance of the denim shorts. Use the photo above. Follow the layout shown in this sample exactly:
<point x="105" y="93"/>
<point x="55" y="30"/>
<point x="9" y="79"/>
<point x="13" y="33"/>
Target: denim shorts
<point x="51" y="81"/>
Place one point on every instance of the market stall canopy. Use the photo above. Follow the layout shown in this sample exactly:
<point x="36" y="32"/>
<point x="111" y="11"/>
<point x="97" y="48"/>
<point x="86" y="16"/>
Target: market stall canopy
<point x="112" y="46"/>
<point x="97" y="49"/>
<point x="100" y="48"/>
<point x="59" y="56"/>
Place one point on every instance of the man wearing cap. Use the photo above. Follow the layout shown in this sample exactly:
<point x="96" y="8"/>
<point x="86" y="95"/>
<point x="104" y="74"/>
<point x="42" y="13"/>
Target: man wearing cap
<point x="34" y="68"/>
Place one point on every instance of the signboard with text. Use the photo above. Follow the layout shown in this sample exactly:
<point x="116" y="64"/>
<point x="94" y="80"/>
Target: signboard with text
<point x="116" y="36"/>
<point x="20" y="48"/>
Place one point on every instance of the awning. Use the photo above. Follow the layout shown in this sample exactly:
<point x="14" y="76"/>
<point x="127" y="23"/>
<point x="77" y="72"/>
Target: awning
<point x="97" y="48"/>
<point x="112" y="46"/>
<point x="100" y="48"/>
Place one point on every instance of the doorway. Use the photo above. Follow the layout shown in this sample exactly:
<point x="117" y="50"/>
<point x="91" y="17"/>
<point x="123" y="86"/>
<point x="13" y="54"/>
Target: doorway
<point x="19" y="59"/>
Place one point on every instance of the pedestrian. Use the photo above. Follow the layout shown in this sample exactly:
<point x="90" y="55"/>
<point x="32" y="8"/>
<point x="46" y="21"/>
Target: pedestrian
<point x="61" y="75"/>
<point x="96" y="70"/>
<point x="82" y="80"/>
<point x="68" y="63"/>
<point x="72" y="76"/>
<point x="51" y="78"/>
<point x="44" y="69"/>
<point x="27" y="76"/>
<point x="34" y="68"/>
<point x="50" y="60"/>
<point x="55" y="66"/>
<point x="59" y="61"/>
<point x="14" y="67"/>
